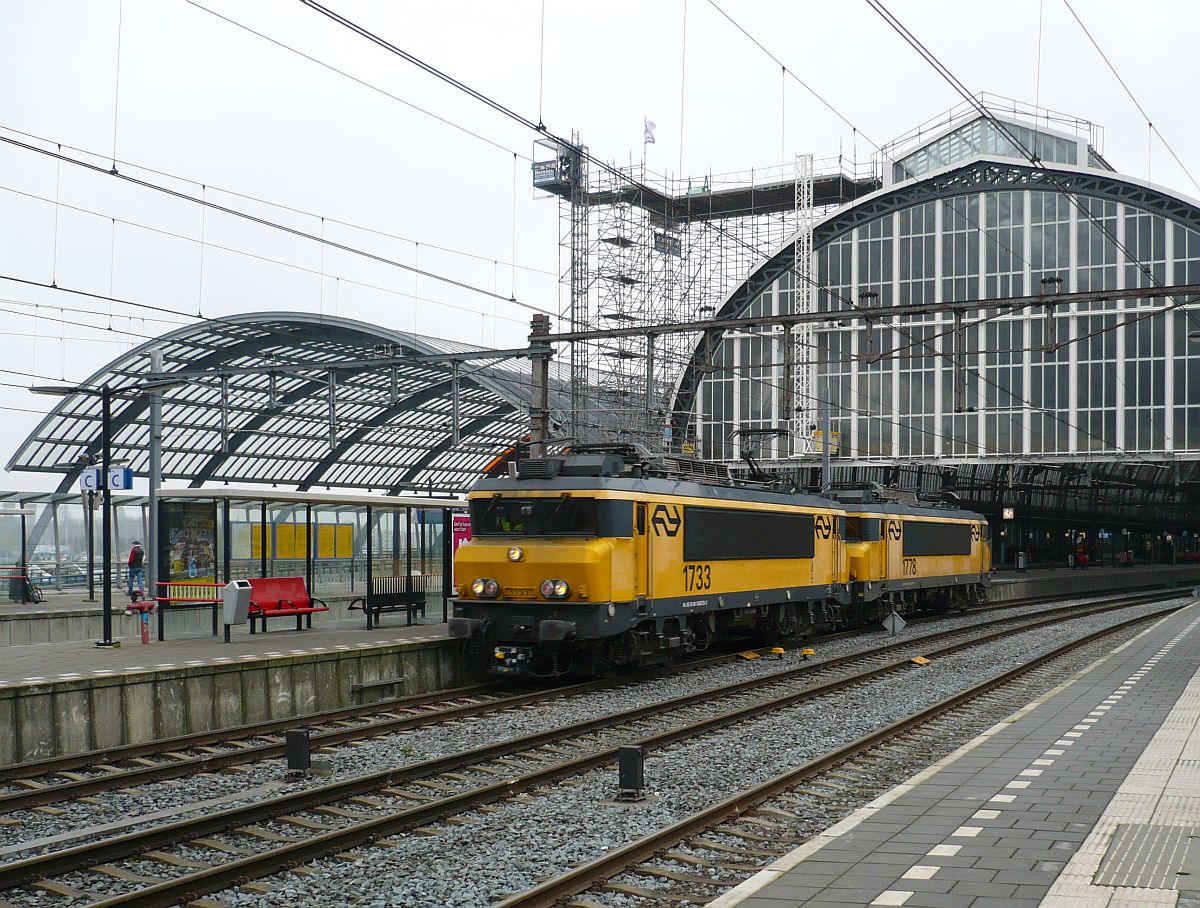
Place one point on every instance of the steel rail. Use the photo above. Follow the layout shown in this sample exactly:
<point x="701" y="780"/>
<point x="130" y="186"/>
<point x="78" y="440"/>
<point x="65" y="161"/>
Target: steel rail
<point x="15" y="772"/>
<point x="177" y="768"/>
<point x="267" y="862"/>
<point x="211" y="762"/>
<point x="610" y="864"/>
<point x="31" y="768"/>
<point x="36" y="797"/>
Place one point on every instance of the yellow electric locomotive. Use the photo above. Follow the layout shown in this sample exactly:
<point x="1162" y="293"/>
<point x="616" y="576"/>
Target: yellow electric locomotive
<point x="606" y="558"/>
<point x="602" y="558"/>
<point x="912" y="557"/>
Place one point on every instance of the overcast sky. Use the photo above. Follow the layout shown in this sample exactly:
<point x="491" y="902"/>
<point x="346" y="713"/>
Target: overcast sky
<point x="411" y="169"/>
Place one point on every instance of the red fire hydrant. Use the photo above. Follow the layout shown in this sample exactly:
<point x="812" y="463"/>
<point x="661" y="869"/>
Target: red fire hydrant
<point x="142" y="607"/>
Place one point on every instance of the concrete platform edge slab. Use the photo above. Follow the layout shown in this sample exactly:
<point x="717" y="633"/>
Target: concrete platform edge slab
<point x="768" y="875"/>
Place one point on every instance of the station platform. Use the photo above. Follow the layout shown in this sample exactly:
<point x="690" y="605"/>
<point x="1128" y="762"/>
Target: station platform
<point x="1009" y="585"/>
<point x="1089" y="797"/>
<point x="69" y="615"/>
<point x="40" y="662"/>
<point x="71" y="697"/>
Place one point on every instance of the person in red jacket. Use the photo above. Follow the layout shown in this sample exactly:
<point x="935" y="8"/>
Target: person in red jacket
<point x="137" y="570"/>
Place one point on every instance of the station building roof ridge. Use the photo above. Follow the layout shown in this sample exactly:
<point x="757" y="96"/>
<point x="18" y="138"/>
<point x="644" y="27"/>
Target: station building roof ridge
<point x="392" y="426"/>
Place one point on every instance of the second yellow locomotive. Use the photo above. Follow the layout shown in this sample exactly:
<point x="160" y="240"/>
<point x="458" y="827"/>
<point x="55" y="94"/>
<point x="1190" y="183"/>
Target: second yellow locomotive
<point x="606" y="558"/>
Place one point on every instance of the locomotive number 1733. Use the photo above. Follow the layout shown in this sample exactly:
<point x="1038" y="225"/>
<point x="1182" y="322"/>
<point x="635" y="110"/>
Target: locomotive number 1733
<point x="697" y="577"/>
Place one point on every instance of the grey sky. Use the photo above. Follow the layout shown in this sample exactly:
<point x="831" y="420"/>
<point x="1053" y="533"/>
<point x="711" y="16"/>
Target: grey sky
<point x="201" y="99"/>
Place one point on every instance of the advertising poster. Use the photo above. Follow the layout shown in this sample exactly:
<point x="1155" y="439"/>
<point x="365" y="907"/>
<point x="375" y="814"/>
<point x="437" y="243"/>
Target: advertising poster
<point x="187" y="541"/>
<point x="461" y="528"/>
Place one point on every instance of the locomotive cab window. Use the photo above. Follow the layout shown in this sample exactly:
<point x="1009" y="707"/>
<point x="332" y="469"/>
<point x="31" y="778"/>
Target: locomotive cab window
<point x="562" y="516"/>
<point x="862" y="529"/>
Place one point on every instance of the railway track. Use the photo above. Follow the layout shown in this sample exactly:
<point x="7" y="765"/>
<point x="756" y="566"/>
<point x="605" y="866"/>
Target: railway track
<point x="722" y="844"/>
<point x="61" y="779"/>
<point x="189" y="857"/>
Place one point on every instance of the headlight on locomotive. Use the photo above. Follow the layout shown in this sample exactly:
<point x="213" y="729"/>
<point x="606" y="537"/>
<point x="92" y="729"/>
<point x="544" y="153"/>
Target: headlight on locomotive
<point x="485" y="588"/>
<point x="555" y="589"/>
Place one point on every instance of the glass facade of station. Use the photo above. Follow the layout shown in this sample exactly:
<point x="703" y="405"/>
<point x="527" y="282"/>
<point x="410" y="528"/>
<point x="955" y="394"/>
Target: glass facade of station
<point x="1110" y="377"/>
<point x="981" y="137"/>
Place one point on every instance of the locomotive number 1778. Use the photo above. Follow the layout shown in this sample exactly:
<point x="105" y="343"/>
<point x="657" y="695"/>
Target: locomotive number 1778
<point x="697" y="576"/>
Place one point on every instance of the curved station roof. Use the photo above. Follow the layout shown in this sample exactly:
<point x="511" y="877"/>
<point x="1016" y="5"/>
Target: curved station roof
<point x="297" y="399"/>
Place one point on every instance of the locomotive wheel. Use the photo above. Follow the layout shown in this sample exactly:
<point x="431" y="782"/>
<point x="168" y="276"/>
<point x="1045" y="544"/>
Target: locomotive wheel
<point x="625" y="650"/>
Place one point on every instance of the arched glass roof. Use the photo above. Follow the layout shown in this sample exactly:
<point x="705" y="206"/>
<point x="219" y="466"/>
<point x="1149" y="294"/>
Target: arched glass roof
<point x="256" y="407"/>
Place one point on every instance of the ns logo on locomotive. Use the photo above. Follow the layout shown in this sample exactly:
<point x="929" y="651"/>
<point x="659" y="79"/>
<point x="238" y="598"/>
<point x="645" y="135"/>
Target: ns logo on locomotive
<point x="606" y="558"/>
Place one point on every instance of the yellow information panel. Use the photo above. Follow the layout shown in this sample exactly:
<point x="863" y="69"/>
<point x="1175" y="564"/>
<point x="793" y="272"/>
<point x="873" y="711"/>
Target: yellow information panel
<point x="291" y="540"/>
<point x="256" y="542"/>
<point x="335" y="540"/>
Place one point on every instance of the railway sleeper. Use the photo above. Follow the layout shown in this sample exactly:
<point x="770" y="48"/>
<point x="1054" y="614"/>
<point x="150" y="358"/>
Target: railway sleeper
<point x="721" y="847"/>
<point x="656" y="895"/>
<point x="330" y="810"/>
<point x="779" y="812"/>
<point x="304" y="823"/>
<point x="676" y="876"/>
<point x="175" y="860"/>
<point x="128" y="876"/>
<point x="266" y="835"/>
<point x="737" y="833"/>
<point x="221" y="846"/>
<point x="56" y="888"/>
<point x="684" y="857"/>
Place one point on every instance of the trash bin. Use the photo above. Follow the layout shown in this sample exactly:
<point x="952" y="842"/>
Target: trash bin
<point x="236" y="601"/>
<point x="1022" y="562"/>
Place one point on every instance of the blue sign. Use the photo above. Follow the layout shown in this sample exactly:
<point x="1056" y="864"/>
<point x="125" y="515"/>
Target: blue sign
<point x="120" y="478"/>
<point x="89" y="480"/>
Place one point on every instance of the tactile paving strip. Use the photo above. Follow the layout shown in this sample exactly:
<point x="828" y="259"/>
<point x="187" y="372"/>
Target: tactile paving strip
<point x="1145" y="857"/>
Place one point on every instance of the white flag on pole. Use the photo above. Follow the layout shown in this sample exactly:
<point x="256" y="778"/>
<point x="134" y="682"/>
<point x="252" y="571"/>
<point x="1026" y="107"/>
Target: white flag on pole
<point x="650" y="127"/>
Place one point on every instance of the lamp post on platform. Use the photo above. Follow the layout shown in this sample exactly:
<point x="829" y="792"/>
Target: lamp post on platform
<point x="104" y="392"/>
<point x="103" y="482"/>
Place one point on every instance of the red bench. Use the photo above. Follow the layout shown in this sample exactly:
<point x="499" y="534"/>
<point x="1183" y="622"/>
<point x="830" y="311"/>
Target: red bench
<point x="278" y="597"/>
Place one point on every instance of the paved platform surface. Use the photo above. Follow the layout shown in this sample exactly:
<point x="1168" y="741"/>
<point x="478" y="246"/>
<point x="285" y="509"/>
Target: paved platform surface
<point x="1087" y="798"/>
<point x="1162" y="573"/>
<point x="47" y="662"/>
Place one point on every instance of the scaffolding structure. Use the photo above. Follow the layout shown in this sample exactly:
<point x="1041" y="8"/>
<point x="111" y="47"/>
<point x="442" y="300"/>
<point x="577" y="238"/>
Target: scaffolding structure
<point x="802" y="409"/>
<point x="640" y="250"/>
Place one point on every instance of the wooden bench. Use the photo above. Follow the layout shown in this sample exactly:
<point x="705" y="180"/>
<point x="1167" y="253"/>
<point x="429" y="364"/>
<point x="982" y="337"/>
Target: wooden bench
<point x="280" y="597"/>
<point x="391" y="594"/>
<point x="188" y="594"/>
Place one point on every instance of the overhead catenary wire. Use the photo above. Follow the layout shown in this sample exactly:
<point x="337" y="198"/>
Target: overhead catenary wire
<point x="1071" y="195"/>
<point x="266" y="222"/>
<point x="279" y="206"/>
<point x="536" y="127"/>
<point x="353" y="78"/>
<point x="792" y="74"/>
<point x="1128" y="91"/>
<point x="262" y="258"/>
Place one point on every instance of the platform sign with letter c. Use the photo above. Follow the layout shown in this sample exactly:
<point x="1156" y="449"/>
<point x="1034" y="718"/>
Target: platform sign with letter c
<point x="120" y="478"/>
<point x="89" y="480"/>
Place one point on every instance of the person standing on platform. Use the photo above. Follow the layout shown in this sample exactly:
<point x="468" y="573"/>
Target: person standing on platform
<point x="137" y="570"/>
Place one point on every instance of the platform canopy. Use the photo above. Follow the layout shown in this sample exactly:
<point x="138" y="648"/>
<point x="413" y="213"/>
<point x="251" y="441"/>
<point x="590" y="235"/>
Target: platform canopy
<point x="298" y="400"/>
